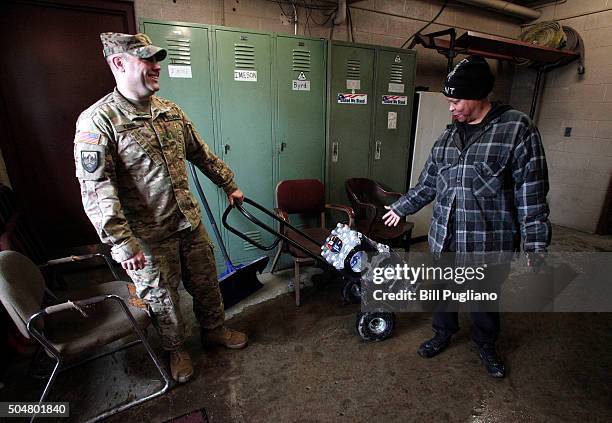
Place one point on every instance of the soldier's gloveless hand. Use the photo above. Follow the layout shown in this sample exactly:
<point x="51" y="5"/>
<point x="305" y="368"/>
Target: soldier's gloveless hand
<point x="236" y="196"/>
<point x="136" y="262"/>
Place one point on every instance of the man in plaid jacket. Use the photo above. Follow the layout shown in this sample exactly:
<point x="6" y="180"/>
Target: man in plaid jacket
<point x="488" y="177"/>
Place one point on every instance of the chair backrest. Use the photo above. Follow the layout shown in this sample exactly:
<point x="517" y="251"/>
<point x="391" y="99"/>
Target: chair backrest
<point x="22" y="288"/>
<point x="363" y="190"/>
<point x="301" y="196"/>
<point x="15" y="233"/>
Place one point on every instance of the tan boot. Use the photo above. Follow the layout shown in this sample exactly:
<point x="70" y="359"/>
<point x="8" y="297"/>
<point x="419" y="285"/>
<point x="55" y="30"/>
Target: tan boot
<point x="180" y="366"/>
<point x="229" y="338"/>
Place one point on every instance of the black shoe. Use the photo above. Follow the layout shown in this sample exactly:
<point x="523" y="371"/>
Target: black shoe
<point x="493" y="363"/>
<point x="434" y="346"/>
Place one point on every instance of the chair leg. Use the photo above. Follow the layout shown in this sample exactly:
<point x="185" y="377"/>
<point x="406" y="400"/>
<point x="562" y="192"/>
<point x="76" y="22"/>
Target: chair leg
<point x="276" y="257"/>
<point x="160" y="368"/>
<point x="296" y="283"/>
<point x="49" y="383"/>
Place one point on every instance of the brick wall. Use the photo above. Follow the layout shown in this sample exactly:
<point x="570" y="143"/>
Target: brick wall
<point x="383" y="22"/>
<point x="580" y="166"/>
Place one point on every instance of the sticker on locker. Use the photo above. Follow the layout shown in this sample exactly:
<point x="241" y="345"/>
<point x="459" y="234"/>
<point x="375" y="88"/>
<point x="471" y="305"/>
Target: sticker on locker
<point x="300" y="85"/>
<point x="398" y="100"/>
<point x="352" y="98"/>
<point x="245" y="75"/>
<point x="179" y="71"/>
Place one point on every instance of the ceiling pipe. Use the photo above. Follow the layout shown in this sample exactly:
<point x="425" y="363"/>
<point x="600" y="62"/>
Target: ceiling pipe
<point x="340" y="13"/>
<point x="506" y="8"/>
<point x="295" y="20"/>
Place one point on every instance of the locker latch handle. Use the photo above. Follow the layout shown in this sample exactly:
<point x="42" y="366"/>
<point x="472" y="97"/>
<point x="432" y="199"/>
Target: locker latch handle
<point x="335" y="151"/>
<point x="283" y="145"/>
<point x="226" y="148"/>
<point x="377" y="150"/>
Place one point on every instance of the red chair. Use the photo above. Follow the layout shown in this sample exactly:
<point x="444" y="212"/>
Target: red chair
<point x="304" y="197"/>
<point x="368" y="198"/>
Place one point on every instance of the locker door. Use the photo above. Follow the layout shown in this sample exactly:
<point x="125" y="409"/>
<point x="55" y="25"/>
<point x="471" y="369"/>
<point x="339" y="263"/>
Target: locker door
<point x="300" y="141"/>
<point x="393" y="116"/>
<point x="351" y="105"/>
<point x="243" y="73"/>
<point x="185" y="79"/>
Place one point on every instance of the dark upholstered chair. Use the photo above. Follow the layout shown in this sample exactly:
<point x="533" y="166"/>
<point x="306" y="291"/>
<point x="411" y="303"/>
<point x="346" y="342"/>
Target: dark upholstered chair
<point x="305" y="197"/>
<point x="76" y="328"/>
<point x="368" y="200"/>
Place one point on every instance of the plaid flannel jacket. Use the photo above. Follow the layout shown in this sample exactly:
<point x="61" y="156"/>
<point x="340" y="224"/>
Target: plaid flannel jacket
<point x="498" y="183"/>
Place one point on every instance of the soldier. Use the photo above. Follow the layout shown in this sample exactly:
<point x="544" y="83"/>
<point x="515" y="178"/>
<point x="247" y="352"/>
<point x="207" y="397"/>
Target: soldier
<point x="130" y="149"/>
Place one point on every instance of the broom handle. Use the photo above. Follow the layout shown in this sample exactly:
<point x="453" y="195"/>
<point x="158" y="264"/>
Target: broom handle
<point x="209" y="214"/>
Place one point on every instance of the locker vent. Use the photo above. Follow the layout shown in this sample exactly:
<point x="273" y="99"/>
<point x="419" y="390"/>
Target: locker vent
<point x="179" y="51"/>
<point x="244" y="56"/>
<point x="255" y="236"/>
<point x="353" y="69"/>
<point x="301" y="60"/>
<point x="396" y="74"/>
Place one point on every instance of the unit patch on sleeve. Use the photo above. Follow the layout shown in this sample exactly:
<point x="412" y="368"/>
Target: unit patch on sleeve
<point x="87" y="137"/>
<point x="90" y="160"/>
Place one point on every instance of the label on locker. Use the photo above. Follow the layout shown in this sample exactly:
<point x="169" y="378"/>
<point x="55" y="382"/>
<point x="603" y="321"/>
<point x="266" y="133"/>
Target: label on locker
<point x="398" y="100"/>
<point x="353" y="84"/>
<point x="179" y="71"/>
<point x="245" y="75"/>
<point x="300" y="85"/>
<point x="352" y="98"/>
<point x="396" y="88"/>
<point x="392" y="120"/>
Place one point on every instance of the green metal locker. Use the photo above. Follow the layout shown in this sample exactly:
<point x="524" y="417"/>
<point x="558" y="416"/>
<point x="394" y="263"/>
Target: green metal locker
<point x="395" y="73"/>
<point x="243" y="74"/>
<point x="185" y="79"/>
<point x="300" y="85"/>
<point x="370" y="113"/>
<point x="351" y="107"/>
<point x="259" y="101"/>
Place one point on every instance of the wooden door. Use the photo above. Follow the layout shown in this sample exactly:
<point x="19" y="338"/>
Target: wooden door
<point x="52" y="70"/>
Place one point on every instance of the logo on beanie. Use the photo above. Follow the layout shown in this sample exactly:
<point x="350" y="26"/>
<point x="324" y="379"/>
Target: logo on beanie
<point x="470" y="79"/>
<point x="456" y="68"/>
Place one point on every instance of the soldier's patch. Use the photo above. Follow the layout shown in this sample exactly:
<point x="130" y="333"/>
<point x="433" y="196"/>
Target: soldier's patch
<point x="90" y="160"/>
<point x="88" y="137"/>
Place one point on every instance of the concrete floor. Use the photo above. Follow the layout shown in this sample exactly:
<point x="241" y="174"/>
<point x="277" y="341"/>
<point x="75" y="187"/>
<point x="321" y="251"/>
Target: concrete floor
<point x="307" y="364"/>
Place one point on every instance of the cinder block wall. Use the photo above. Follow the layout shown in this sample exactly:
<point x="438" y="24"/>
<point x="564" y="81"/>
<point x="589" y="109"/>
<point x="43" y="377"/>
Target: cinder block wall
<point x="580" y="166"/>
<point x="383" y="22"/>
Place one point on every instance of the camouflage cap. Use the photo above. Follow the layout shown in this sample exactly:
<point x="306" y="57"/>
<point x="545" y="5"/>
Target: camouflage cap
<point x="138" y="45"/>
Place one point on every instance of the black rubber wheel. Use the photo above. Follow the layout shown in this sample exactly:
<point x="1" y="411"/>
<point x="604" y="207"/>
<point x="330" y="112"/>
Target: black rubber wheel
<point x="351" y="292"/>
<point x="375" y="326"/>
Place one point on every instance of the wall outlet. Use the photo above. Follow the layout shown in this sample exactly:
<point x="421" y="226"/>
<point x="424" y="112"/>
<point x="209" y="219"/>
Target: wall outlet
<point x="568" y="131"/>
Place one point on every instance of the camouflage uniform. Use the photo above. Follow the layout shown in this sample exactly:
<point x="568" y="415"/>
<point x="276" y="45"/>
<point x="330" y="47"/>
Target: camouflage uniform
<point x="134" y="188"/>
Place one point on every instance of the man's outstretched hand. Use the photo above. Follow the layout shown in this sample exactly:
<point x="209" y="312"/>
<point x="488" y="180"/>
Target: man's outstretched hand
<point x="391" y="218"/>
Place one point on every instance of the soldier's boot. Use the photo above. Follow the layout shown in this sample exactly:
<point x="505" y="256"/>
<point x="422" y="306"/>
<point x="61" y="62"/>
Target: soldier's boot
<point x="180" y="366"/>
<point x="224" y="336"/>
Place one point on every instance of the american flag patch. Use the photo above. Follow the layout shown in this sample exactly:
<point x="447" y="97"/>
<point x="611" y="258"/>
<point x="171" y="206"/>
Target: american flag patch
<point x="88" y="137"/>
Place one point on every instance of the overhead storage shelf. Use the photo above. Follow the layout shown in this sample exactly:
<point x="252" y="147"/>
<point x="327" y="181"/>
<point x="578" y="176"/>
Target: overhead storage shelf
<point x="493" y="47"/>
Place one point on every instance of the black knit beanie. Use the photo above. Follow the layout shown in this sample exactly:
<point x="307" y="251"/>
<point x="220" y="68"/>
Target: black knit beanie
<point x="471" y="79"/>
